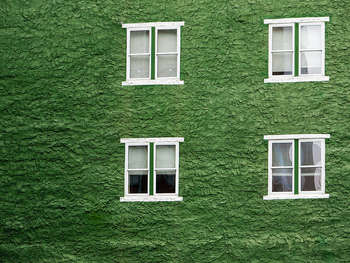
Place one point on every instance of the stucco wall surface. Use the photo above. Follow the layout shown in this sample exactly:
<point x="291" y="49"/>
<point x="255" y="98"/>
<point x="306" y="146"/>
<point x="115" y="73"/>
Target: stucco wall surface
<point x="63" y="112"/>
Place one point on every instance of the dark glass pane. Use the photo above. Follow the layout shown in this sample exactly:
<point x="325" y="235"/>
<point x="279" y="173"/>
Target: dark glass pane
<point x="311" y="179"/>
<point x="138" y="182"/>
<point x="165" y="182"/>
<point x="282" y="183"/>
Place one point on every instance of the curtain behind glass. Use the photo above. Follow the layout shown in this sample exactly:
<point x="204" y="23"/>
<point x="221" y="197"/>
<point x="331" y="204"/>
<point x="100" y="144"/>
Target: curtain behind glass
<point x="139" y="42"/>
<point x="282" y="41"/>
<point x="311" y="49"/>
<point x="167" y="40"/>
<point x="282" y="154"/>
<point x="165" y="156"/>
<point x="137" y="157"/>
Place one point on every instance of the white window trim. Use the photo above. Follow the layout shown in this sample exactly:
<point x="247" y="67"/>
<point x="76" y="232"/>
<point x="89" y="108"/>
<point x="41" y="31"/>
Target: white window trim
<point x="176" y="144"/>
<point x="158" y="80"/>
<point x="323" y="170"/>
<point x="270" y="193"/>
<point x="322" y="49"/>
<point x="301" y="77"/>
<point x="126" y="172"/>
<point x="271" y="26"/>
<point x="146" y="197"/>
<point x="178" y="42"/>
<point x="304" y="194"/>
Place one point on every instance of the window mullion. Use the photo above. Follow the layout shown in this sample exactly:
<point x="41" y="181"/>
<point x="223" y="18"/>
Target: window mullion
<point x="151" y="168"/>
<point x="296" y="166"/>
<point x="296" y="49"/>
<point x="153" y="48"/>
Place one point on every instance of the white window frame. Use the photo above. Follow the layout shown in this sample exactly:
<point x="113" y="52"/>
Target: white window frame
<point x="284" y="167"/>
<point x="158" y="80"/>
<point x="126" y="172"/>
<point x="178" y="42"/>
<point x="301" y="138"/>
<point x="147" y="197"/>
<point x="306" y="50"/>
<point x="322" y="166"/>
<point x="128" y="54"/>
<point x="301" y="77"/>
<point x="176" y="144"/>
<point x="271" y="26"/>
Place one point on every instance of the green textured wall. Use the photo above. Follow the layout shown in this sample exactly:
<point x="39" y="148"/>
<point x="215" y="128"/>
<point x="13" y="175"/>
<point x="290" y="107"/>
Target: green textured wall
<point x="63" y="112"/>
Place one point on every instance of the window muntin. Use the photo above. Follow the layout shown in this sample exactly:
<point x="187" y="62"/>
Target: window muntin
<point x="281" y="167"/>
<point x="137" y="169"/>
<point x="282" y="50"/>
<point x="311" y="166"/>
<point x="166" y="168"/>
<point x="139" y="53"/>
<point x="311" y="48"/>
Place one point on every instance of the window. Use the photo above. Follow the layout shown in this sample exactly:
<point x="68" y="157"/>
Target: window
<point x="296" y="166"/>
<point x="296" y="49"/>
<point x="151" y="169"/>
<point x="153" y="53"/>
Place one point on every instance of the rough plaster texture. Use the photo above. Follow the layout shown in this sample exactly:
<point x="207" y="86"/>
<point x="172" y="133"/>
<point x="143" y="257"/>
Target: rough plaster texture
<point x="63" y="111"/>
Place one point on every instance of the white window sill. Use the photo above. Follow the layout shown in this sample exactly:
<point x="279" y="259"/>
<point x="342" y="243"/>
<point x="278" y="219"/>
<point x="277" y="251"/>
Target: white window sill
<point x="299" y="196"/>
<point x="296" y="79"/>
<point x="151" y="198"/>
<point x="152" y="82"/>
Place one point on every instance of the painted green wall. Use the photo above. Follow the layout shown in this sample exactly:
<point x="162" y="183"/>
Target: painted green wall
<point x="63" y="112"/>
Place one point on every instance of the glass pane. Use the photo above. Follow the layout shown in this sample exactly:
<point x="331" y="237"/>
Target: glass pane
<point x="167" y="66"/>
<point x="282" y="38"/>
<point x="311" y="62"/>
<point x="137" y="182"/>
<point x="282" y="154"/>
<point x="167" y="40"/>
<point x="282" y="63"/>
<point x="137" y="157"/>
<point x="311" y="179"/>
<point x="310" y="153"/>
<point x="282" y="180"/>
<point x="165" y="182"/>
<point x="311" y="37"/>
<point x="165" y="156"/>
<point x="139" y="66"/>
<point x="139" y="42"/>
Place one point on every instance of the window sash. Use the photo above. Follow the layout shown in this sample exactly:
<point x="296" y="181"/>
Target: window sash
<point x="271" y="26"/>
<point x="322" y="166"/>
<point x="270" y="167"/>
<point x="176" y="169"/>
<point x="322" y="50"/>
<point x="178" y="41"/>
<point x="126" y="172"/>
<point x="129" y="54"/>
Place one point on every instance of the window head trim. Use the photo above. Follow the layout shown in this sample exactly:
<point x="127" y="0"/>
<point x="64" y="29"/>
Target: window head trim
<point x="296" y="20"/>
